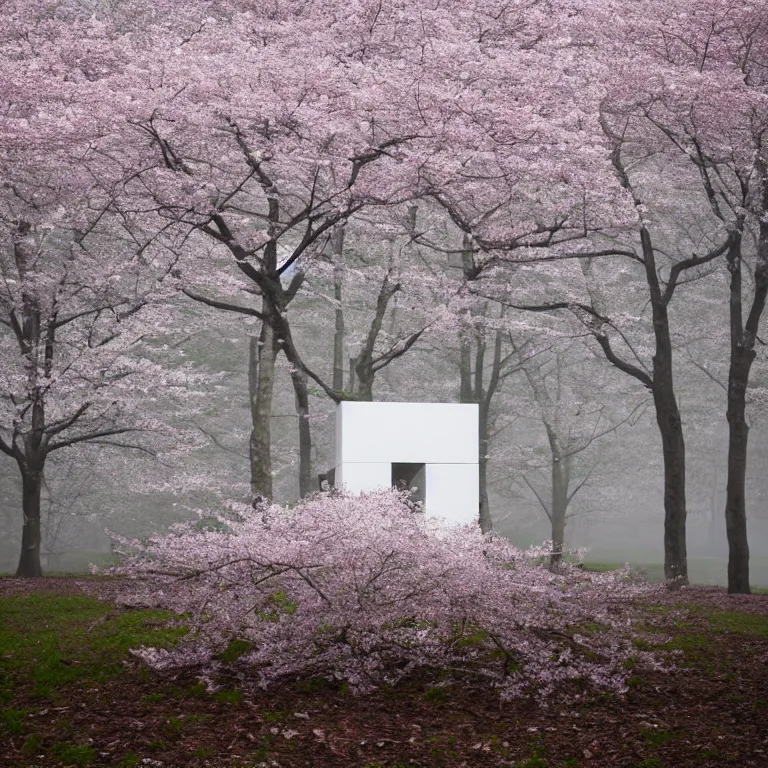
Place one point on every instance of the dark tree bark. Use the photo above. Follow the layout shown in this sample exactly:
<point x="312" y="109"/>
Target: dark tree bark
<point x="661" y="385"/>
<point x="311" y="220"/>
<point x="29" y="558"/>
<point x="669" y="422"/>
<point x="308" y="222"/>
<point x="659" y="381"/>
<point x="484" y="517"/>
<point x="742" y="347"/>
<point x="368" y="362"/>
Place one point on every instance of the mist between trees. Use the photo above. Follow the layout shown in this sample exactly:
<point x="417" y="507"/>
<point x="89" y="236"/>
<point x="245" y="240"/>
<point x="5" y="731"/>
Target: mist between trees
<point x="219" y="220"/>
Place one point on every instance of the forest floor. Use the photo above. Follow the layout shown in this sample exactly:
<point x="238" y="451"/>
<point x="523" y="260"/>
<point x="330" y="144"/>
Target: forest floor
<point x="72" y="695"/>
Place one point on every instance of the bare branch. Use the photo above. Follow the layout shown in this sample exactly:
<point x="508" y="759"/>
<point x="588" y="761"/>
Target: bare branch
<point x="6" y="449"/>
<point x="398" y="349"/>
<point x="216" y="304"/>
<point x="538" y="496"/>
<point x="580" y="485"/>
<point x="90" y="436"/>
<point x="622" y="365"/>
<point x="708" y="373"/>
<point x="219" y="444"/>
<point x="689" y="263"/>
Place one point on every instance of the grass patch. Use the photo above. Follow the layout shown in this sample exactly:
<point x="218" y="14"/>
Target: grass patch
<point x="52" y="641"/>
<point x="74" y="754"/>
<point x="229" y="696"/>
<point x="602" y="567"/>
<point x="657" y="737"/>
<point x="754" y="625"/>
<point x="32" y="745"/>
<point x="131" y="760"/>
<point x="13" y="722"/>
<point x="697" y="633"/>
<point x="694" y="640"/>
<point x="274" y="717"/>
<point x="175" y="726"/>
<point x="235" y="650"/>
<point x="154" y="698"/>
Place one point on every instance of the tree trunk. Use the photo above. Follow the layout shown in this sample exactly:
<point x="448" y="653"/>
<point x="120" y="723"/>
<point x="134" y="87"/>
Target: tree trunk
<point x="486" y="523"/>
<point x="560" y="482"/>
<point x="742" y="355"/>
<point x="29" y="559"/>
<point x="735" y="504"/>
<point x="669" y="422"/>
<point x="365" y="362"/>
<point x="714" y="542"/>
<point x="337" y="243"/>
<point x="661" y="385"/>
<point x="365" y="377"/>
<point x="261" y="385"/>
<point x="675" y="513"/>
<point x="299" y="379"/>
<point x="473" y="390"/>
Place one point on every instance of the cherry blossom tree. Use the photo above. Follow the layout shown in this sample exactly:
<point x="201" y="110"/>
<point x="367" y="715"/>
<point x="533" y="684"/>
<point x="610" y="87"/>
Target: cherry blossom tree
<point x="79" y="291"/>
<point x="305" y="121"/>
<point x="265" y="162"/>
<point x="363" y="590"/>
<point x="600" y="229"/>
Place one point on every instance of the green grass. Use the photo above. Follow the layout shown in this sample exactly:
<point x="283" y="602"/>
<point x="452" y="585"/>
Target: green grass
<point x="74" y="754"/>
<point x="176" y="725"/>
<point x="755" y="625"/>
<point x="13" y="722"/>
<point x="131" y="760"/>
<point x="229" y="696"/>
<point x="651" y="571"/>
<point x="437" y="694"/>
<point x="718" y="623"/>
<point x="657" y="737"/>
<point x="50" y="641"/>
<point x="697" y="633"/>
<point x="235" y="650"/>
<point x="602" y="567"/>
<point x="32" y="745"/>
<point x="701" y="570"/>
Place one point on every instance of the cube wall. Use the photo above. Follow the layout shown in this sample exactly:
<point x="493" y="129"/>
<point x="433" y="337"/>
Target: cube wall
<point x="370" y="437"/>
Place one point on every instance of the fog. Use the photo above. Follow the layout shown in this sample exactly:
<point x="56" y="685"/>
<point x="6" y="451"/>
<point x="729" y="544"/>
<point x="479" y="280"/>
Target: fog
<point x="617" y="515"/>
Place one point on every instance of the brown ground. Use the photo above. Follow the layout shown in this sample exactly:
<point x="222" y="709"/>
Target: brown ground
<point x="711" y="711"/>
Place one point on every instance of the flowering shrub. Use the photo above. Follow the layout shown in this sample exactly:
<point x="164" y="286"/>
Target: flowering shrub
<point x="362" y="589"/>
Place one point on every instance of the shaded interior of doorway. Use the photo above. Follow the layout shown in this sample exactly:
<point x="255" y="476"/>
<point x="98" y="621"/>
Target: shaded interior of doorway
<point x="411" y="477"/>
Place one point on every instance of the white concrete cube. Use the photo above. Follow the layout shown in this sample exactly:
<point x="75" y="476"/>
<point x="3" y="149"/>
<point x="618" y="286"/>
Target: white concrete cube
<point x="375" y="440"/>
